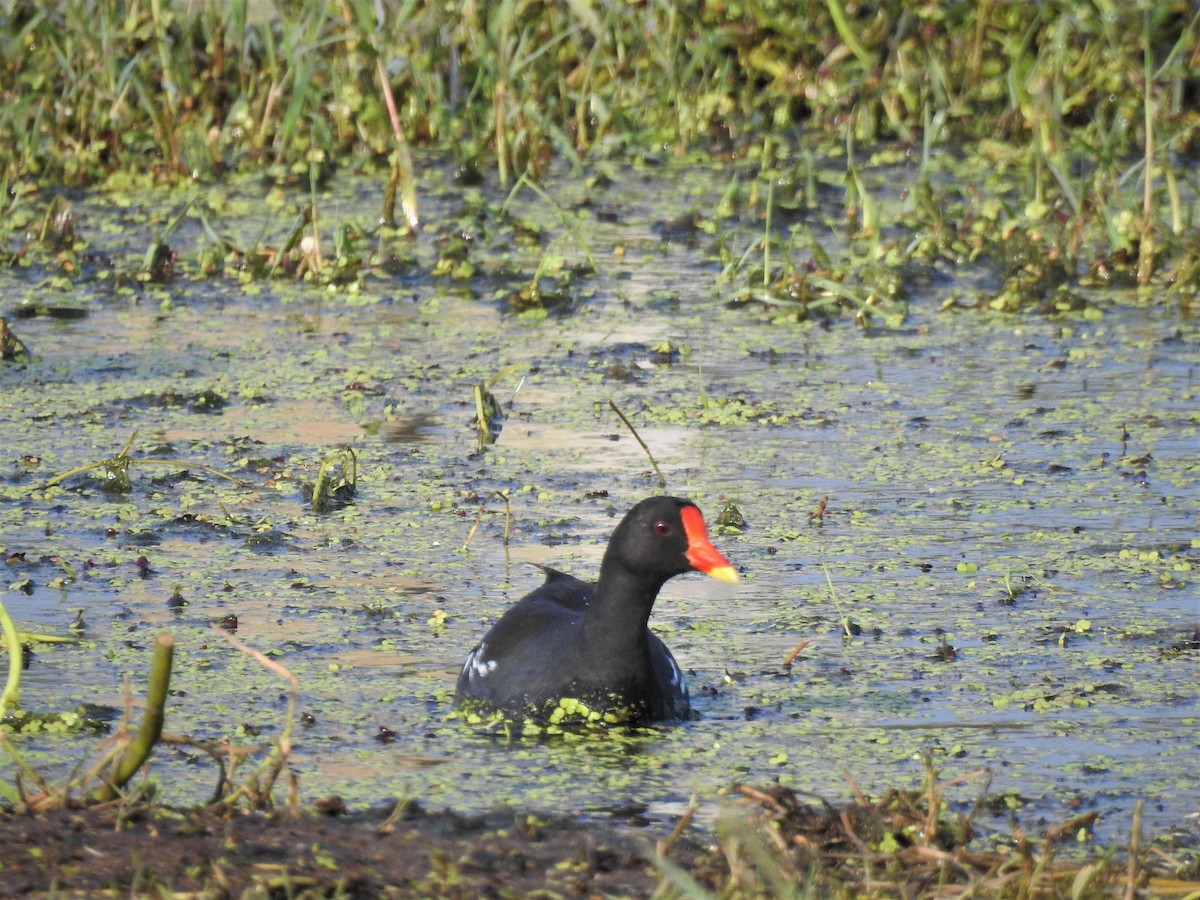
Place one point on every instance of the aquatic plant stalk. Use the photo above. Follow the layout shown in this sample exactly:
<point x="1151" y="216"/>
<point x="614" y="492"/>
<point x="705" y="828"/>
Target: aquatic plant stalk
<point x="1145" y="267"/>
<point x="503" y="495"/>
<point x="138" y="750"/>
<point x="767" y="235"/>
<point x="12" y="684"/>
<point x="664" y="846"/>
<point x="791" y="657"/>
<point x="485" y="404"/>
<point x="123" y="459"/>
<point x="662" y="482"/>
<point x="403" y="173"/>
<point x="403" y="169"/>
<point x="1135" y="848"/>
<point x="172" y="224"/>
<point x="570" y="221"/>
<point x="836" y="605"/>
<point x="846" y="33"/>
<point x="167" y="85"/>
<point x="323" y="495"/>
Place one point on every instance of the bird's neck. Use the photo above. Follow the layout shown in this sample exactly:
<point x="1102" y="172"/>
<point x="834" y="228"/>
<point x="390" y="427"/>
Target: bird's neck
<point x="621" y="605"/>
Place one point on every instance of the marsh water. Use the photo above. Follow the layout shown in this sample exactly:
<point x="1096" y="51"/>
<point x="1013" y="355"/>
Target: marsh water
<point x="1009" y="531"/>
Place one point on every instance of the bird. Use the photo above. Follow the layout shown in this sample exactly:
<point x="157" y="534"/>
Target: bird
<point x="576" y="652"/>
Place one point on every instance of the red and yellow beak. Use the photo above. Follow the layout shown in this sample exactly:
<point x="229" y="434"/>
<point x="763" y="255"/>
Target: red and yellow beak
<point x="703" y="556"/>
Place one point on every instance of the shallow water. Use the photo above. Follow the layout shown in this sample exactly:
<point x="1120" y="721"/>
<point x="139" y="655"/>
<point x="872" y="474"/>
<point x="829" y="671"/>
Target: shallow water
<point x="964" y="454"/>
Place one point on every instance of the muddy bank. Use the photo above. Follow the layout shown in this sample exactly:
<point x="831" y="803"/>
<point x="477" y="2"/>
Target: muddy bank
<point x="415" y="853"/>
<point x="774" y="843"/>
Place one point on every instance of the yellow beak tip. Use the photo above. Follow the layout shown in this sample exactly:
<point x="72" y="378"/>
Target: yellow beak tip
<point x="724" y="573"/>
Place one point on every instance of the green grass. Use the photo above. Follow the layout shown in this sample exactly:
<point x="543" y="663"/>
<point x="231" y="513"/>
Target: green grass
<point x="1074" y="122"/>
<point x="91" y="88"/>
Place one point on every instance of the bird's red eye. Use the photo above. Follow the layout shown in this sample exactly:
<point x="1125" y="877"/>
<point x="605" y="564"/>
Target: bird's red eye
<point x="661" y="527"/>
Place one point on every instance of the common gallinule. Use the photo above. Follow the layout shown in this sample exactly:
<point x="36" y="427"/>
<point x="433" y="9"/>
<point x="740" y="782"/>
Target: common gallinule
<point x="572" y="651"/>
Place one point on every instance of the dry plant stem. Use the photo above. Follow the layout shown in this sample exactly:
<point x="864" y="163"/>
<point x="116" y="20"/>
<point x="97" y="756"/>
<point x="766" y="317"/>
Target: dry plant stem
<point x="293" y="784"/>
<point x="939" y="856"/>
<point x="475" y="524"/>
<point x="503" y="495"/>
<point x="924" y="870"/>
<point x="404" y="159"/>
<point x="218" y="752"/>
<point x="833" y="595"/>
<point x="858" y="794"/>
<point x="24" y="771"/>
<point x="933" y="797"/>
<point x="482" y="422"/>
<point x="664" y="846"/>
<point x="818" y="515"/>
<point x="662" y="482"/>
<point x="138" y="750"/>
<point x="387" y="216"/>
<point x="315" y="260"/>
<point x="121" y="458"/>
<point x="273" y="765"/>
<point x="1135" y="843"/>
<point x="397" y="813"/>
<point x="761" y="797"/>
<point x="963" y="779"/>
<point x="799" y="649"/>
<point x="863" y="849"/>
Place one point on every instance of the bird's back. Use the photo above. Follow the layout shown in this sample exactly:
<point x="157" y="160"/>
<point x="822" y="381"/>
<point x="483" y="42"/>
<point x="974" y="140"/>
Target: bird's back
<point x="522" y="660"/>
